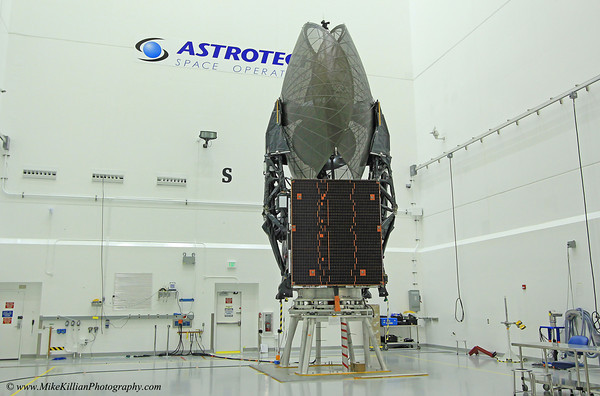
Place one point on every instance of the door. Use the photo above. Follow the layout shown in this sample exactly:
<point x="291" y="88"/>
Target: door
<point x="228" y="319"/>
<point x="11" y="304"/>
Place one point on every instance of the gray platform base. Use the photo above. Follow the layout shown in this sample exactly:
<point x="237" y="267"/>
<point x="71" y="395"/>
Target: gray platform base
<point x="326" y="372"/>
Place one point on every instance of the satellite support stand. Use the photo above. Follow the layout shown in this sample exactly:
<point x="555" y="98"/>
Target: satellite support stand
<point x="318" y="340"/>
<point x="317" y="305"/>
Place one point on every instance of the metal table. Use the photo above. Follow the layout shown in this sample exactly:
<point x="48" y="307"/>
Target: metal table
<point x="563" y="347"/>
<point x="414" y="343"/>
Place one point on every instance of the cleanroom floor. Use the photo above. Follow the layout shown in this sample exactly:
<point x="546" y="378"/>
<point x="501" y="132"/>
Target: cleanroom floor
<point x="448" y="374"/>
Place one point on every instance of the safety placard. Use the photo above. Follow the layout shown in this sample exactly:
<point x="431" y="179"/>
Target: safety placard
<point x="6" y="320"/>
<point x="10" y="305"/>
<point x="229" y="312"/>
<point x="228" y="300"/>
<point x="7" y="314"/>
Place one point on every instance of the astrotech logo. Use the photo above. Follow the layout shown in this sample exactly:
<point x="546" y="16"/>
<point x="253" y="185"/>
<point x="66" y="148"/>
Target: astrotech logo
<point x="152" y="50"/>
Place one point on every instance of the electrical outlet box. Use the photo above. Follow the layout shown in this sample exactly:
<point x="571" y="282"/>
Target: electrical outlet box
<point x="414" y="300"/>
<point x="181" y="320"/>
<point x="189" y="259"/>
<point x="166" y="294"/>
<point x="416" y="212"/>
<point x="107" y="177"/>
<point x="171" y="181"/>
<point x="39" y="174"/>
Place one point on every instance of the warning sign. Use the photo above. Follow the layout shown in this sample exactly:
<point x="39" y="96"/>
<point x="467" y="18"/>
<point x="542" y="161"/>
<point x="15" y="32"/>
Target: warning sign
<point x="6" y="320"/>
<point x="10" y="305"/>
<point x="228" y="300"/>
<point x="229" y="312"/>
<point x="7" y="314"/>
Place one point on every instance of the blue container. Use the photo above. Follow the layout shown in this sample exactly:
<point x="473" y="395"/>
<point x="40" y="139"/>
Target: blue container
<point x="389" y="321"/>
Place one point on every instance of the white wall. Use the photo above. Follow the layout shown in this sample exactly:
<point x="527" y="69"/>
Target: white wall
<point x="518" y="195"/>
<point x="4" y="23"/>
<point x="79" y="100"/>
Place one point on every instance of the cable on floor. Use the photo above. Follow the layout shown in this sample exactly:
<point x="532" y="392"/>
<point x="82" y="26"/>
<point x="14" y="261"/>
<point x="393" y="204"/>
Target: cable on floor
<point x="231" y="358"/>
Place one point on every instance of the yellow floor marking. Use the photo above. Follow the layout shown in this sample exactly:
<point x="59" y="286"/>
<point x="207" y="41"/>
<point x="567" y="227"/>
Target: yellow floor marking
<point x="342" y="373"/>
<point x="33" y="380"/>
<point x="312" y="365"/>
<point x="392" y="376"/>
<point x="456" y="365"/>
<point x="265" y="374"/>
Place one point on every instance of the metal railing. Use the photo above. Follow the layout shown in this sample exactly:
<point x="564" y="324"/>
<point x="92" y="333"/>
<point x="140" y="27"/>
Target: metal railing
<point x="571" y="93"/>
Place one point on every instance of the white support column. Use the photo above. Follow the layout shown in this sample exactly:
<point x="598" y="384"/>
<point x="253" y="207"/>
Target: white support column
<point x="318" y="343"/>
<point x="285" y="359"/>
<point x="371" y="336"/>
<point x="350" y="345"/>
<point x="305" y="324"/>
<point x="305" y="358"/>
<point x="366" y="344"/>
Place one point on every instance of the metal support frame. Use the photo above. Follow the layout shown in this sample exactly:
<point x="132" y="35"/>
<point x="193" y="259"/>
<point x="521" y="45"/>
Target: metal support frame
<point x="316" y="305"/>
<point x="318" y="341"/>
<point x="275" y="217"/>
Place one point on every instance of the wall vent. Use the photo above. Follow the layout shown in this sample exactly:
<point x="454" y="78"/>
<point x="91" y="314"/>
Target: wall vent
<point x="107" y="177"/>
<point x="39" y="174"/>
<point x="171" y="181"/>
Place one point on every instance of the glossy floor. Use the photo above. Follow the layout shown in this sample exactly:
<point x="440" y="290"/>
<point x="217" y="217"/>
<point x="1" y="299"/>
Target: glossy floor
<point x="449" y="374"/>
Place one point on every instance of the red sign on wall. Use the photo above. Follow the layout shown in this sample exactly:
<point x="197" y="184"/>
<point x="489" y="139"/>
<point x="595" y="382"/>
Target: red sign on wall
<point x="9" y="305"/>
<point x="6" y="320"/>
<point x="228" y="300"/>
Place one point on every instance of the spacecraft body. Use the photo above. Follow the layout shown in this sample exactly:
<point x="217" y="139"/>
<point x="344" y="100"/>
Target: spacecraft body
<point x="326" y="224"/>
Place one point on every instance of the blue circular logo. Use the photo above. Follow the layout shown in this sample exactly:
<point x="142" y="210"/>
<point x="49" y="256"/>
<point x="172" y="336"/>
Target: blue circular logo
<point x="151" y="49"/>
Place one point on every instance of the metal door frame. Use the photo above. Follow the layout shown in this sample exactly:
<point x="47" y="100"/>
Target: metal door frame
<point x="20" y="294"/>
<point x="216" y="320"/>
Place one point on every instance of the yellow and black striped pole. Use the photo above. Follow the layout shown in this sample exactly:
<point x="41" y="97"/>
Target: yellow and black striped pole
<point x="280" y="330"/>
<point x="280" y="316"/>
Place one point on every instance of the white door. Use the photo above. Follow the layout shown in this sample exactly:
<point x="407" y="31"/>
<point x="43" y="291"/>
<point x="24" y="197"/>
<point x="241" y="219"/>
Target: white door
<point x="228" y="329"/>
<point x="11" y="304"/>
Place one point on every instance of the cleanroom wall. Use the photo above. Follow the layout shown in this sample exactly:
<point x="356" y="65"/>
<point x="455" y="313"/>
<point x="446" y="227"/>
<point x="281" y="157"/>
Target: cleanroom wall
<point x="4" y="21"/>
<point x="80" y="100"/>
<point x="518" y="195"/>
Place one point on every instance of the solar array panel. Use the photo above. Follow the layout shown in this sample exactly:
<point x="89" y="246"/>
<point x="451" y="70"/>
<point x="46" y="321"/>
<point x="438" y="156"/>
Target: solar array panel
<point x="336" y="233"/>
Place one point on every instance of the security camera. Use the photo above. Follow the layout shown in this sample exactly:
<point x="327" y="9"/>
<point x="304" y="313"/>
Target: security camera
<point x="436" y="134"/>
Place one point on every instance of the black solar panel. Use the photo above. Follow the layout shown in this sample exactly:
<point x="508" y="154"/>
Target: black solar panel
<point x="336" y="233"/>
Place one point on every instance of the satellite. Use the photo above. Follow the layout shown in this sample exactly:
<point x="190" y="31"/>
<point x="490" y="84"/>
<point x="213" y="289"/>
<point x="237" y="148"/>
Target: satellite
<point x="327" y="225"/>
